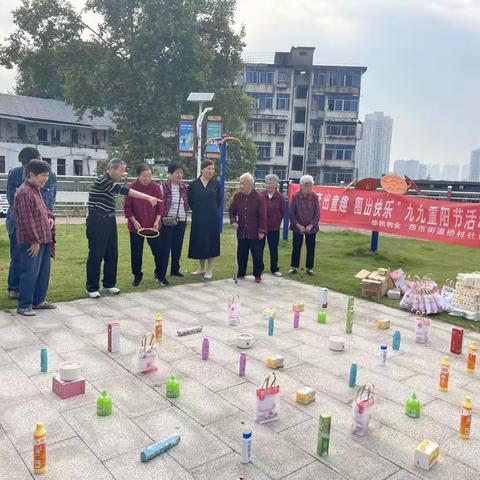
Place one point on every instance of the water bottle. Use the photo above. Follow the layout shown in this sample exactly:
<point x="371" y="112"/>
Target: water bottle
<point x="352" y="379"/>
<point x="246" y="447"/>
<point x="44" y="360"/>
<point x="205" y="349"/>
<point x="383" y="354"/>
<point x="243" y="364"/>
<point x="396" y="340"/>
<point x="271" y="325"/>
<point x="296" y="319"/>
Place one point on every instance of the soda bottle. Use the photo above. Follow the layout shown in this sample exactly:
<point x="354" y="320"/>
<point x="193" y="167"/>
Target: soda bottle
<point x="472" y="357"/>
<point x="444" y="374"/>
<point x="39" y="449"/>
<point x="104" y="404"/>
<point x="158" y="328"/>
<point x="205" y="349"/>
<point x="466" y="418"/>
<point x="172" y="387"/>
<point x="412" y="407"/>
<point x="350" y="314"/>
<point x="243" y="364"/>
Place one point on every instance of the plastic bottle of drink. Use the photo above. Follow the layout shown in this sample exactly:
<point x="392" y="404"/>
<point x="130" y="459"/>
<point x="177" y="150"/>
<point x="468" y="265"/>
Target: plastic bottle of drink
<point x="43" y="360"/>
<point x="158" y="328"/>
<point x="172" y="387"/>
<point x="350" y="314"/>
<point x="383" y="354"/>
<point x="40" y="449"/>
<point x="205" y="349"/>
<point x="296" y="319"/>
<point x="352" y="379"/>
<point x="243" y="364"/>
<point x="246" y="447"/>
<point x="271" y="325"/>
<point x="444" y="374"/>
<point x="466" y="418"/>
<point x="412" y="407"/>
<point x="396" y="340"/>
<point x="472" y="357"/>
<point x="104" y="404"/>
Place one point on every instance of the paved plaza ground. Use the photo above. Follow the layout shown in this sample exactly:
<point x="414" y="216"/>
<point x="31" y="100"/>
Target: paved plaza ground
<point x="216" y="404"/>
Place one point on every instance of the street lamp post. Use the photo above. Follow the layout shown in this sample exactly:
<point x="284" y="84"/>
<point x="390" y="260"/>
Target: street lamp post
<point x="200" y="97"/>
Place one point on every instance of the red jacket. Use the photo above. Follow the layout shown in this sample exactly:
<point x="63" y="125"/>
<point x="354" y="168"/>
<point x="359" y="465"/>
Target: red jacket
<point x="143" y="212"/>
<point x="250" y="213"/>
<point x="275" y="210"/>
<point x="304" y="210"/>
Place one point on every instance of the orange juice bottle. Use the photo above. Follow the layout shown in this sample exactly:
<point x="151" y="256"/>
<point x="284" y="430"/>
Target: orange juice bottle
<point x="39" y="449"/>
<point x="444" y="374"/>
<point x="158" y="328"/>
<point x="466" y="418"/>
<point x="472" y="357"/>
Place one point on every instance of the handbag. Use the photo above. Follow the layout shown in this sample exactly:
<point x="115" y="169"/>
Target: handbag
<point x="147" y="356"/>
<point x="172" y="221"/>
<point x="362" y="410"/>
<point x="267" y="400"/>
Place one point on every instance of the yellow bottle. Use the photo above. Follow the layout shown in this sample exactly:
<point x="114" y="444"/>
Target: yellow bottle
<point x="158" y="328"/>
<point x="40" y="449"/>
<point x="444" y="374"/>
<point x="472" y="357"/>
<point x="466" y="418"/>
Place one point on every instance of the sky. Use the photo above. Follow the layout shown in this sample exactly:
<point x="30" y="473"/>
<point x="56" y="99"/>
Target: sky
<point x="423" y="60"/>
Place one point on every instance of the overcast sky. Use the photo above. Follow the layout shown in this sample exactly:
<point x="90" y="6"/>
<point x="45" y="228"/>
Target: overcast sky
<point x="423" y="60"/>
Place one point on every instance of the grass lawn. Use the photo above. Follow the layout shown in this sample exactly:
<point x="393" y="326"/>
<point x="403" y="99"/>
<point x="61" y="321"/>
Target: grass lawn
<point x="339" y="256"/>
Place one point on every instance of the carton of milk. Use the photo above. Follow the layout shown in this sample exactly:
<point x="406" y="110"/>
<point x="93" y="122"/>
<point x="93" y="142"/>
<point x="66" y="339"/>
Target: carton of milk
<point x="426" y="454"/>
<point x="114" y="337"/>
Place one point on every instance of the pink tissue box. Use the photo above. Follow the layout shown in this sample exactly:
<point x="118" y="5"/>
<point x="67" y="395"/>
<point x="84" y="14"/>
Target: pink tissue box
<point x="68" y="389"/>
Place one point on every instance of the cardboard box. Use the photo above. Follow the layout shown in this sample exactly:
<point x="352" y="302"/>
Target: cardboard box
<point x="374" y="284"/>
<point x="275" y="361"/>
<point x="426" y="454"/>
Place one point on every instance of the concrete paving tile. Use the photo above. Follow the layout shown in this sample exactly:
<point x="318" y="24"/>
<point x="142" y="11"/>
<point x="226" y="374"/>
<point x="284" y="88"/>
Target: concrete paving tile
<point x="41" y="322"/>
<point x="85" y="325"/>
<point x="99" y="309"/>
<point x="202" y="404"/>
<point x="403" y="475"/>
<point x="7" y="318"/>
<point x="15" y="336"/>
<point x="120" y="302"/>
<point x="197" y="445"/>
<point x="5" y="359"/>
<point x="162" y="467"/>
<point x="62" y="340"/>
<point x="132" y="396"/>
<point x="28" y="360"/>
<point x="228" y="467"/>
<point x="71" y="460"/>
<point x="209" y="374"/>
<point x="272" y="453"/>
<point x="15" y="384"/>
<point x="63" y="310"/>
<point x="314" y="470"/>
<point x="280" y="342"/>
<point x="244" y="397"/>
<point x="107" y="437"/>
<point x="465" y="451"/>
<point x="19" y="417"/>
<point x="11" y="465"/>
<point x="219" y="352"/>
<point x="142" y="313"/>
<point x="473" y="387"/>
<point x="170" y="349"/>
<point x="129" y="344"/>
<point x="342" y="447"/>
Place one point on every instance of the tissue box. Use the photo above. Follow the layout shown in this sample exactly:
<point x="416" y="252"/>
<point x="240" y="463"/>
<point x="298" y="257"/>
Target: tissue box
<point x="275" y="361"/>
<point x="305" y="395"/>
<point x="426" y="454"/>
<point x="68" y="389"/>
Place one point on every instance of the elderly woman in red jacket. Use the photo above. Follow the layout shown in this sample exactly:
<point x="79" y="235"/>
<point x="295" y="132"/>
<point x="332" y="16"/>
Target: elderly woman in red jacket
<point x="248" y="215"/>
<point x="140" y="215"/>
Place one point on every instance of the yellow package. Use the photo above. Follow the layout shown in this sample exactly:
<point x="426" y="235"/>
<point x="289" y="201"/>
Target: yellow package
<point x="383" y="324"/>
<point x="305" y="395"/>
<point x="426" y="454"/>
<point x="275" y="361"/>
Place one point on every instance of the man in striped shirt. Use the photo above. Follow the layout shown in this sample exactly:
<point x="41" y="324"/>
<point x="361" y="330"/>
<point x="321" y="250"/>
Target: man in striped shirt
<point x="102" y="227"/>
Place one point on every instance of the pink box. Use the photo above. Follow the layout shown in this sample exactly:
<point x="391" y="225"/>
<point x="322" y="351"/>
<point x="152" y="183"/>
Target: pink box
<point x="68" y="389"/>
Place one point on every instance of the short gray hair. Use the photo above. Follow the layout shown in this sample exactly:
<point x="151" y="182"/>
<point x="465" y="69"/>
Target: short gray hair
<point x="115" y="163"/>
<point x="248" y="178"/>
<point x="272" y="177"/>
<point x="306" y="179"/>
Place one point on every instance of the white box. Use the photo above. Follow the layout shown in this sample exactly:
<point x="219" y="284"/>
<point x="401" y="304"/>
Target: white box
<point x="426" y="454"/>
<point x="114" y="337"/>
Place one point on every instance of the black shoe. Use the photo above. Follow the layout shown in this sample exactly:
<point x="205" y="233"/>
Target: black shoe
<point x="177" y="274"/>
<point x="137" y="280"/>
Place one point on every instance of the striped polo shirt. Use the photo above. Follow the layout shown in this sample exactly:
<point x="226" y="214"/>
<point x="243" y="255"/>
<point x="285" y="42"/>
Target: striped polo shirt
<point x="102" y="194"/>
<point x="177" y="205"/>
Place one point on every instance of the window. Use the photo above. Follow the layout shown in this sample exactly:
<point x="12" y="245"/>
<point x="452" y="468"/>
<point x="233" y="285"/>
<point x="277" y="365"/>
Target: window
<point x="343" y="79"/>
<point x="320" y="100"/>
<point x="2" y="164"/>
<point x="259" y="75"/>
<point x="298" y="139"/>
<point x="263" y="150"/>
<point x="297" y="162"/>
<point x="280" y="128"/>
<point x="96" y="137"/>
<point x="48" y="160"/>
<point x="74" y="137"/>
<point x="283" y="77"/>
<point x="78" y="167"/>
<point x="42" y="135"/>
<point x="21" y="131"/>
<point x="61" y="167"/>
<point x="262" y="101"/>
<point x="336" y="175"/>
<point x="261" y="173"/>
<point x="250" y="127"/>
<point x="257" y="127"/>
<point x="343" y="104"/>
<point x="339" y="152"/>
<point x="279" y="149"/>
<point x="316" y="131"/>
<point x="280" y="172"/>
<point x="300" y="115"/>
<point x="339" y="130"/>
<point x="319" y="78"/>
<point x="283" y="101"/>
<point x="302" y="91"/>
<point x="55" y="135"/>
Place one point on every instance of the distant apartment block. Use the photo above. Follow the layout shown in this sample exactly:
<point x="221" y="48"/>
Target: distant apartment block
<point x="451" y="173"/>
<point x="475" y="166"/>
<point x="305" y="116"/>
<point x="411" y="168"/>
<point x="373" y="150"/>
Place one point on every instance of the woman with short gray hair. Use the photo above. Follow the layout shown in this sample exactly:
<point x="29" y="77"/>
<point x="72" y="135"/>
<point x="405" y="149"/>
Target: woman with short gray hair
<point x="304" y="219"/>
<point x="275" y="212"/>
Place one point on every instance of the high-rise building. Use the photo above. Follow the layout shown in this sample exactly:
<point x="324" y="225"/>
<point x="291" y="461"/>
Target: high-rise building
<point x="465" y="173"/>
<point x="373" y="150"/>
<point x="475" y="166"/>
<point x="411" y="168"/>
<point x="434" y="171"/>
<point x="305" y="116"/>
<point x="451" y="173"/>
<point x="422" y="171"/>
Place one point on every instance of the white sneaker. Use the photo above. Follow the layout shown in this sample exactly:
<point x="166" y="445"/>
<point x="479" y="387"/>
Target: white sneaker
<point x="199" y="272"/>
<point x="112" y="290"/>
<point x="277" y="274"/>
<point x="208" y="275"/>
<point x="93" y="294"/>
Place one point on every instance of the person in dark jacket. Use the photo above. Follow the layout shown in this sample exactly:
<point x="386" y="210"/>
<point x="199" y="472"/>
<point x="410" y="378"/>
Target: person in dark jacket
<point x="141" y="214"/>
<point x="275" y="212"/>
<point x="205" y="198"/>
<point x="304" y="218"/>
<point x="248" y="216"/>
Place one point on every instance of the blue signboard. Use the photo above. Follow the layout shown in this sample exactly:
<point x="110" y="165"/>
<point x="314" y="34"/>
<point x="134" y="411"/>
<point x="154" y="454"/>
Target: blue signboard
<point x="214" y="129"/>
<point x="186" y="136"/>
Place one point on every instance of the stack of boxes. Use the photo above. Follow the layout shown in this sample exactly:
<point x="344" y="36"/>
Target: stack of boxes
<point x="466" y="297"/>
<point x="374" y="284"/>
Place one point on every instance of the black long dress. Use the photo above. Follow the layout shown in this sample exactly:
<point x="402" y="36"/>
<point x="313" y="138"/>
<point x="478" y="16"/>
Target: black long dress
<point x="205" y="229"/>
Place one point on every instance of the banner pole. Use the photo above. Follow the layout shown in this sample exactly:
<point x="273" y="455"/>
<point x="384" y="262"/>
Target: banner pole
<point x="374" y="241"/>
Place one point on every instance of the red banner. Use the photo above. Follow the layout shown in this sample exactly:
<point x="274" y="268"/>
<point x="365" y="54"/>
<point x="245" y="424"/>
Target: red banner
<point x="409" y="216"/>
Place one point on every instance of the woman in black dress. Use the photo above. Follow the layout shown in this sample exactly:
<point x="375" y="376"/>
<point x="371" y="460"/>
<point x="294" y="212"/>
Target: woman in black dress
<point x="204" y="198"/>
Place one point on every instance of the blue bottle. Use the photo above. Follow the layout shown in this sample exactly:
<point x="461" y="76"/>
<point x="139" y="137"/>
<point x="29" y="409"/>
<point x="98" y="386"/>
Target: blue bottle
<point x="352" y="379"/>
<point x="396" y="340"/>
<point x="270" y="326"/>
<point x="159" y="447"/>
<point x="43" y="360"/>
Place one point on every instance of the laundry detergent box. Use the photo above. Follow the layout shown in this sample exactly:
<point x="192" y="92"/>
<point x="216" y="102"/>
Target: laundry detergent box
<point x="426" y="454"/>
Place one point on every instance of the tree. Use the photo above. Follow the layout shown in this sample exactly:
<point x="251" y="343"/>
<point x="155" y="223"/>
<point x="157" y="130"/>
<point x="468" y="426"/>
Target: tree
<point x="140" y="63"/>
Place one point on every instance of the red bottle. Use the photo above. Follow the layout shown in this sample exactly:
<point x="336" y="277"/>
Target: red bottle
<point x="457" y="341"/>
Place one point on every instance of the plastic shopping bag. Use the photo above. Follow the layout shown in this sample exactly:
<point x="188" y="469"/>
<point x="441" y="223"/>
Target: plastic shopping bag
<point x="147" y="356"/>
<point x="267" y="400"/>
<point x="362" y="410"/>
<point x="233" y="310"/>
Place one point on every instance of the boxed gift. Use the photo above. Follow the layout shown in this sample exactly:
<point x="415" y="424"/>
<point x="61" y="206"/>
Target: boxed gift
<point x="374" y="284"/>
